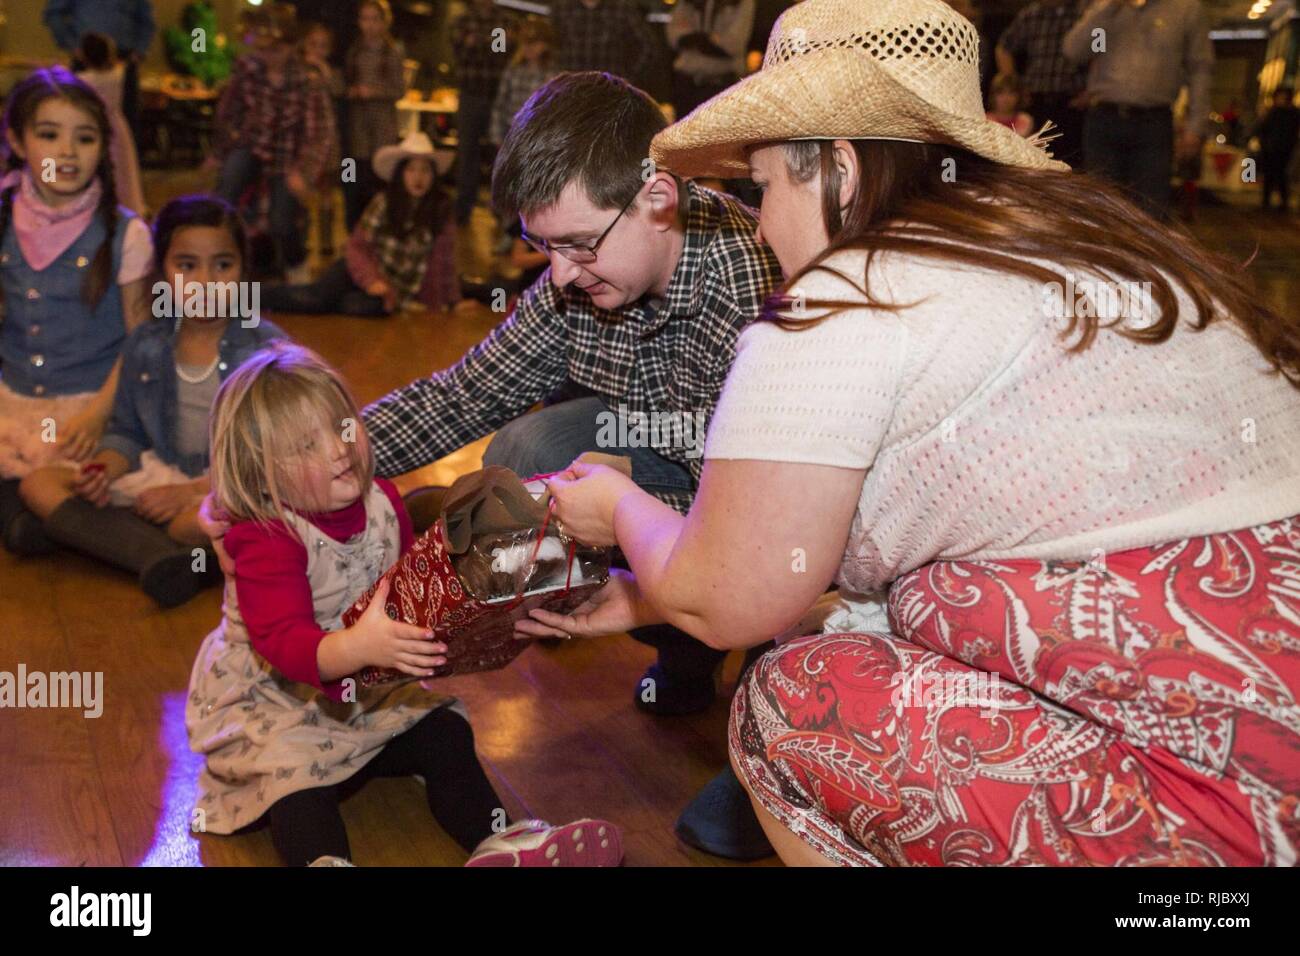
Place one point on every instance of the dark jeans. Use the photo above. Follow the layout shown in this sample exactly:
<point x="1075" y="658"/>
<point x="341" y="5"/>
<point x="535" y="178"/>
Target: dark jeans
<point x="548" y="440"/>
<point x="332" y="292"/>
<point x="1133" y="148"/>
<point x="472" y="121"/>
<point x="240" y="170"/>
<point x="1273" y="179"/>
<point x="1068" y="147"/>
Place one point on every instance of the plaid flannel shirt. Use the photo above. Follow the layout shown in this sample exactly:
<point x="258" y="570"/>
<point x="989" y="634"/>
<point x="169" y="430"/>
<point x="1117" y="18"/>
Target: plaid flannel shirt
<point x="613" y="37"/>
<point x="372" y="120"/>
<point x="479" y="67"/>
<point x="672" y="358"/>
<point x="286" y="127"/>
<point x="1036" y="34"/>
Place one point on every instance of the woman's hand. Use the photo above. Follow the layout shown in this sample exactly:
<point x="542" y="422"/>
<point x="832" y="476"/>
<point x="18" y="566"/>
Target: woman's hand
<point x="164" y="502"/>
<point x="585" y="498"/>
<point x="79" y="438"/>
<point x="379" y="641"/>
<point x="614" y="609"/>
<point x="215" y="522"/>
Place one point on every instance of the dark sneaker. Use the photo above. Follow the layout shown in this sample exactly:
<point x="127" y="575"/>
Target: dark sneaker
<point x="721" y="821"/>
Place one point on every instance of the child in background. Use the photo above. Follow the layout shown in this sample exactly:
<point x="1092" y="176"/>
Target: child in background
<point x="317" y="45"/>
<point x="375" y="81"/>
<point x="530" y="69"/>
<point x="137" y="510"/>
<point x="74" y="271"/>
<point x="402" y="252"/>
<point x="274" y="122"/>
<point x="285" y="729"/>
<point x="105" y="74"/>
<point x="1277" y="130"/>
<point x="1005" y="97"/>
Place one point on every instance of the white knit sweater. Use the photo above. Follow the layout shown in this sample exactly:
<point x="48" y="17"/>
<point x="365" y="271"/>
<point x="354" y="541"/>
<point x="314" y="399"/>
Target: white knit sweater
<point x="983" y="438"/>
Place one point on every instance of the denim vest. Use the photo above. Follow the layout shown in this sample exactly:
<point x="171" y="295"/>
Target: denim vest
<point x="52" y="343"/>
<point x="145" y="407"/>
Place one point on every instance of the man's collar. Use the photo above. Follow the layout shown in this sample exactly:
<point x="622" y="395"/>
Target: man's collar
<point x="685" y="295"/>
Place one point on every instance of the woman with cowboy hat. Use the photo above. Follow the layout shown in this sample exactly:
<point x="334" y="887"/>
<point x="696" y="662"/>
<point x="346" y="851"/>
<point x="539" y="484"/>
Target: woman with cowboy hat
<point x="402" y="251"/>
<point x="1043" y="444"/>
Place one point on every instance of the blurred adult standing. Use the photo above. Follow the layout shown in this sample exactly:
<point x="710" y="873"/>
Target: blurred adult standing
<point x="607" y="35"/>
<point x="482" y="54"/>
<point x="1055" y="85"/>
<point x="709" y="39"/>
<point x="128" y="23"/>
<point x="1141" y="54"/>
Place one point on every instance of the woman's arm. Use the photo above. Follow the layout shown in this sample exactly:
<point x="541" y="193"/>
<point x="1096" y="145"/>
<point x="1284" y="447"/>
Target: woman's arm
<point x="760" y="545"/>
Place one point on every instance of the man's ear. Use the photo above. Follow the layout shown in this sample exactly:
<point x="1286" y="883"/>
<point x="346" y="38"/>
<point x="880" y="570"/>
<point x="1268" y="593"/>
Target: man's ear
<point x="15" y="144"/>
<point x="663" y="196"/>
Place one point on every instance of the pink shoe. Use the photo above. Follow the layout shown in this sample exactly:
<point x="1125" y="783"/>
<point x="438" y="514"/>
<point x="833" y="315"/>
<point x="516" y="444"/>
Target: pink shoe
<point x="536" y="843"/>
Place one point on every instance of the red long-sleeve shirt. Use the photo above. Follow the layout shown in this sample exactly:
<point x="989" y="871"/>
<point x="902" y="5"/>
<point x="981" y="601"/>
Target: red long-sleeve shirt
<point x="274" y="594"/>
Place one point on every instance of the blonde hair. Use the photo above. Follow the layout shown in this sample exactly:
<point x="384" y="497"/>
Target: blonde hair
<point x="266" y="416"/>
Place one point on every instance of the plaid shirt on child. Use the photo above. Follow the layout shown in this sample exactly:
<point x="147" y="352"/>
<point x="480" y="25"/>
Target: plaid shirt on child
<point x="287" y="127"/>
<point x="518" y="82"/>
<point x="666" y="358"/>
<point x="372" y="121"/>
<point x="404" y="262"/>
<point x="478" y="67"/>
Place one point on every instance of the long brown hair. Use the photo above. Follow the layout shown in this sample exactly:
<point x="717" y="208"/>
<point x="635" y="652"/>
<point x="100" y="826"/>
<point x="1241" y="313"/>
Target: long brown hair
<point x="948" y="203"/>
<point x="20" y="112"/>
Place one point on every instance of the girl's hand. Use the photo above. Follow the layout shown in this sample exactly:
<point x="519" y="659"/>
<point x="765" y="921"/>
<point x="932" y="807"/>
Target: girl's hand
<point x="79" y="438"/>
<point x="614" y="609"/>
<point x="92" y="485"/>
<point x="163" y="503"/>
<point x="382" y="642"/>
<point x="585" y="498"/>
<point x="215" y="522"/>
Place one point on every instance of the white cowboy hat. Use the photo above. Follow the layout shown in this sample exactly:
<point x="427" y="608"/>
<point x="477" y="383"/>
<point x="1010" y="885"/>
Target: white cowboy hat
<point x="852" y="69"/>
<point x="417" y="144"/>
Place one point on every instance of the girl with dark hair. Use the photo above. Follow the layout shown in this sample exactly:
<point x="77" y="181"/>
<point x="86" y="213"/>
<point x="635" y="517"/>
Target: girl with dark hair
<point x="73" y="270"/>
<point x="133" y="505"/>
<point x="105" y="73"/>
<point x="375" y="79"/>
<point x="403" y="251"/>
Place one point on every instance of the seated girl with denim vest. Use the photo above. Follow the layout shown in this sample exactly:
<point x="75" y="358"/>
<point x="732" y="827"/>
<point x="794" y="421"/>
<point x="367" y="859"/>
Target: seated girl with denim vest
<point x="74" y="273"/>
<point x="133" y="505"/>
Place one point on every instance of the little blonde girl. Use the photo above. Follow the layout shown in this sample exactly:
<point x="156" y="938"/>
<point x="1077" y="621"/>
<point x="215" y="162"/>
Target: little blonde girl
<point x="74" y="269"/>
<point x="285" y="730"/>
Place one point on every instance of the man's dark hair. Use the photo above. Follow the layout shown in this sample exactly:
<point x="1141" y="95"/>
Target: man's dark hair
<point x="589" y="127"/>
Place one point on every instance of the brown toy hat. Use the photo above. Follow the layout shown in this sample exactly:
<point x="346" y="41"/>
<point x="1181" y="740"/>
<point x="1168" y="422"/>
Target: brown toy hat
<point x="852" y="69"/>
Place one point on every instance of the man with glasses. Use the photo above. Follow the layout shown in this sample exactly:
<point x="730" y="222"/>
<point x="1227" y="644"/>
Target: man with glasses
<point x="651" y="279"/>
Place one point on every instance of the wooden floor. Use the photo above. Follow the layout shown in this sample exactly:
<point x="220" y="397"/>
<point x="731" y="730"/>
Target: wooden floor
<point x="556" y="730"/>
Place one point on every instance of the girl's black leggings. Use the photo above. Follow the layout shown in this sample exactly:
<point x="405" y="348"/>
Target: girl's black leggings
<point x="307" y="824"/>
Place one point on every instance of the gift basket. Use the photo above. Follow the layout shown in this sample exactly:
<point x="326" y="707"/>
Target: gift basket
<point x="495" y="553"/>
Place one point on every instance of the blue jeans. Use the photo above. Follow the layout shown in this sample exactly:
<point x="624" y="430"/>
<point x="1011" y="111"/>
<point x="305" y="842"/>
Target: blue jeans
<point x="1132" y="148"/>
<point x="238" y="172"/>
<point x="549" y="440"/>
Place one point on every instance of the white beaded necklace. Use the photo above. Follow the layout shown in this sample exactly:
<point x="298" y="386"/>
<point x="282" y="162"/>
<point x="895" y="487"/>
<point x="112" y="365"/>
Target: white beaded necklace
<point x="207" y="373"/>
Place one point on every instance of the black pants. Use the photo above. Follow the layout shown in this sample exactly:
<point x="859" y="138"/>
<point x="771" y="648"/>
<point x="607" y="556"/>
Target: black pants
<point x="1272" y="173"/>
<point x="1134" y="148"/>
<point x="332" y="292"/>
<point x="1068" y="146"/>
<point x="307" y="824"/>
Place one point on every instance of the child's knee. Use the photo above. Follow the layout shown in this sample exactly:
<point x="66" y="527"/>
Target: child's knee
<point x="45" y="489"/>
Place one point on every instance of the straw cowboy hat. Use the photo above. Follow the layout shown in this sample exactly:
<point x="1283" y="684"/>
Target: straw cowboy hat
<point x="852" y="69"/>
<point x="417" y="144"/>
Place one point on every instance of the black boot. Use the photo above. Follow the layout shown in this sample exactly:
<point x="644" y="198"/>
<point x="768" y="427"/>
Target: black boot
<point x="19" y="527"/>
<point x="119" y="537"/>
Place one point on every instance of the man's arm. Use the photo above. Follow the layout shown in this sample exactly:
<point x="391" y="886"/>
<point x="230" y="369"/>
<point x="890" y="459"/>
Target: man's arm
<point x="522" y="361"/>
<point x="58" y="18"/>
<point x="1076" y="45"/>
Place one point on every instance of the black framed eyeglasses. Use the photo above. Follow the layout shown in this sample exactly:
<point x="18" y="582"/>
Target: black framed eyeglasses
<point x="576" y="251"/>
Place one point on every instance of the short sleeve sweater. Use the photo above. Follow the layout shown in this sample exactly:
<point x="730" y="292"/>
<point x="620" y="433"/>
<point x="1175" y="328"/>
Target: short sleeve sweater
<point x="983" y="437"/>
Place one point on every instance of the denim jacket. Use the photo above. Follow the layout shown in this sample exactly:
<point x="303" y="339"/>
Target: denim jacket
<point x="145" y="406"/>
<point x="51" y="343"/>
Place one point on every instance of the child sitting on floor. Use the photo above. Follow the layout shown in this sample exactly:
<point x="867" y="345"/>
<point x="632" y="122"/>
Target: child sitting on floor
<point x="134" y="504"/>
<point x="402" y="252"/>
<point x="274" y="705"/>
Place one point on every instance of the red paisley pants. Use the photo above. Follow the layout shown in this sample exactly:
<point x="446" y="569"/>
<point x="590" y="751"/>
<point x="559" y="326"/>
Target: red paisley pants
<point x="1137" y="710"/>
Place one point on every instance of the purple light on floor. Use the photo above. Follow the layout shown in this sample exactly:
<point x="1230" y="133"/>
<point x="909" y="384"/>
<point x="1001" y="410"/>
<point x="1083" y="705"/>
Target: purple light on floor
<point x="174" y="843"/>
